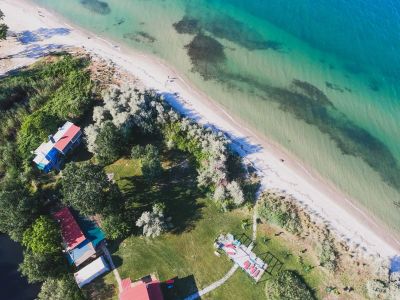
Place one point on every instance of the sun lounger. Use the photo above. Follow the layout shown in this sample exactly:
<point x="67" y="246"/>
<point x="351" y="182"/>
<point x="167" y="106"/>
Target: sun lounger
<point x="231" y="253"/>
<point x="246" y="264"/>
<point x="253" y="269"/>
<point x="230" y="246"/>
<point x="256" y="273"/>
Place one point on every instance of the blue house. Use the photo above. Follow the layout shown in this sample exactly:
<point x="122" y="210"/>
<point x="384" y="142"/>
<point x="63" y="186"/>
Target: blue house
<point x="50" y="154"/>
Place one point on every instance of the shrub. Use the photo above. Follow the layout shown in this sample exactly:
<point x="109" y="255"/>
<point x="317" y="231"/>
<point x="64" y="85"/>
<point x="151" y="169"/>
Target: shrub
<point x="288" y="285"/>
<point x="376" y="289"/>
<point x="153" y="223"/>
<point x="279" y="210"/>
<point x="115" y="227"/>
<point x="328" y="255"/>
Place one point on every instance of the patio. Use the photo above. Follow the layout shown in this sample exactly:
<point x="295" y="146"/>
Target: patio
<point x="240" y="251"/>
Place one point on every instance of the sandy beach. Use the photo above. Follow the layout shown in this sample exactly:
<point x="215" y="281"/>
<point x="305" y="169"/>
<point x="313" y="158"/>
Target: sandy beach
<point x="276" y="167"/>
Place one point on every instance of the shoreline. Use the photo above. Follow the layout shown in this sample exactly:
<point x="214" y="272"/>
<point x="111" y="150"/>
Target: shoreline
<point x="318" y="196"/>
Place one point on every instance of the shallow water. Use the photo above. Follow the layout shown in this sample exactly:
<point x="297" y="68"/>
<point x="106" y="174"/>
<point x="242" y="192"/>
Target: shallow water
<point x="319" y="77"/>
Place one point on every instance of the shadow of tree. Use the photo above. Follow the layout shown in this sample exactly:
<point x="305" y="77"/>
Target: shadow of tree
<point x="181" y="288"/>
<point x="28" y="37"/>
<point x="177" y="188"/>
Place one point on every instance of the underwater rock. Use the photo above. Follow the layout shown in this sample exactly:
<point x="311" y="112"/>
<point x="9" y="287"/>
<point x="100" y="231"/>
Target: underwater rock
<point x="187" y="25"/>
<point x="140" y="37"/>
<point x="206" y="55"/>
<point x="311" y="91"/>
<point x="96" y="6"/>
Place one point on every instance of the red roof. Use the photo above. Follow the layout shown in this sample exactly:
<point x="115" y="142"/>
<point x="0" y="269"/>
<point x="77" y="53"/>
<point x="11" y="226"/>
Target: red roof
<point x="142" y="291"/>
<point x="67" y="137"/>
<point x="70" y="230"/>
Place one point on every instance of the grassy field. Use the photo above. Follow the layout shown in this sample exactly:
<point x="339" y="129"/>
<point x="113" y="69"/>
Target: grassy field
<point x="187" y="252"/>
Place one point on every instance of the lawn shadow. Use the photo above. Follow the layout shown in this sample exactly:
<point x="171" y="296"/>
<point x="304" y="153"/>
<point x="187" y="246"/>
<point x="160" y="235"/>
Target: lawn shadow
<point x="99" y="289"/>
<point x="176" y="188"/>
<point x="180" y="289"/>
<point x="37" y="51"/>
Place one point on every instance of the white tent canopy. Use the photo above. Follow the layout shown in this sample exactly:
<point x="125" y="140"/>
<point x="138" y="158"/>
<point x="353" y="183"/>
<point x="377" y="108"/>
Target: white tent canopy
<point x="91" y="271"/>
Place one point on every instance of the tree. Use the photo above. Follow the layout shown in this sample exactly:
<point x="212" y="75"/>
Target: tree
<point x="64" y="288"/>
<point x="153" y="222"/>
<point x="38" y="267"/>
<point x="150" y="159"/>
<point x="108" y="143"/>
<point x="115" y="227"/>
<point x="43" y="237"/>
<point x="288" y="285"/>
<point x="86" y="187"/>
<point x="17" y="210"/>
<point x="3" y="27"/>
<point x="236" y="192"/>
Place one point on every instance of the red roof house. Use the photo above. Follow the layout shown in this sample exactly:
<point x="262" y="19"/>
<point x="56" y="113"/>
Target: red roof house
<point x="66" y="136"/>
<point x="70" y="230"/>
<point x="141" y="290"/>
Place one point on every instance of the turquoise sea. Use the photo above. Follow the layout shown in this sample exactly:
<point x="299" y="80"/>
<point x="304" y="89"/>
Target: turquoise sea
<point x="321" y="78"/>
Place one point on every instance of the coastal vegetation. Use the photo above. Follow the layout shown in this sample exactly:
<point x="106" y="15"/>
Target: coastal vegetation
<point x="3" y="27"/>
<point x="288" y="285"/>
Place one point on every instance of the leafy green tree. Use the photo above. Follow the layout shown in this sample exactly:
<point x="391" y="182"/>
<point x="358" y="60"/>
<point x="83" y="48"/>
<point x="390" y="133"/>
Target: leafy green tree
<point x="3" y="27"/>
<point x="86" y="188"/>
<point x="17" y="209"/>
<point x="115" y="226"/>
<point x="64" y="288"/>
<point x="109" y="143"/>
<point x="150" y="159"/>
<point x="38" y="267"/>
<point x="43" y="236"/>
<point x="288" y="285"/>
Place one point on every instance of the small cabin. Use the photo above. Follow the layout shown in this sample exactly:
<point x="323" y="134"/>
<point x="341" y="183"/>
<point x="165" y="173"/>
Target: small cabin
<point x="50" y="154"/>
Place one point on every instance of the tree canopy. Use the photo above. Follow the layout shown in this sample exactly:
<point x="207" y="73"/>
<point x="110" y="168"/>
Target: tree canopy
<point x="38" y="267"/>
<point x="109" y="143"/>
<point x="43" y="236"/>
<point x="86" y="188"/>
<point x="17" y="210"/>
<point x="150" y="159"/>
<point x="288" y="285"/>
<point x="64" y="288"/>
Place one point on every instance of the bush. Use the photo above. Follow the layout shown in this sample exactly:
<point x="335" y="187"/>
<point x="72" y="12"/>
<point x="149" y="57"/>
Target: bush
<point x="376" y="289"/>
<point x="115" y="227"/>
<point x="64" y="288"/>
<point x="328" y="255"/>
<point x="153" y="222"/>
<point x="279" y="210"/>
<point x="288" y="285"/>
<point x="43" y="237"/>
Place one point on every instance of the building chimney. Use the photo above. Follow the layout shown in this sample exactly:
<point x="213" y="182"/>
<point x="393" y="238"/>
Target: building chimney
<point x="51" y="138"/>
